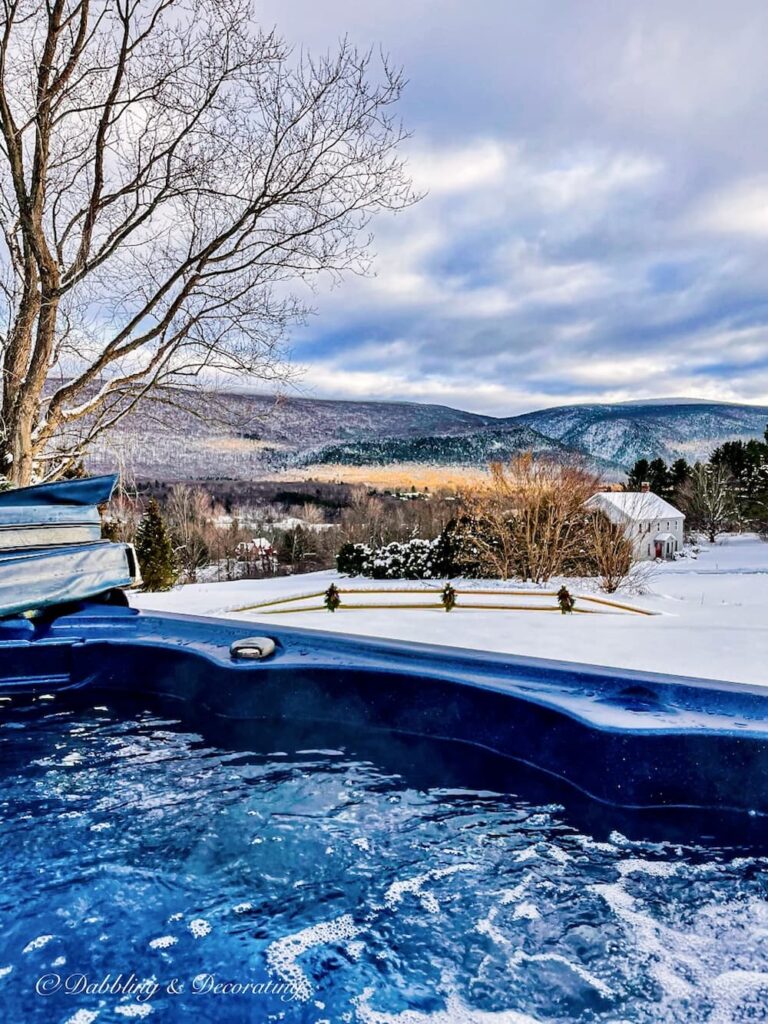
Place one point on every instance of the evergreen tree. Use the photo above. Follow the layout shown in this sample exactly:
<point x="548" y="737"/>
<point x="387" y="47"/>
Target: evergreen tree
<point x="660" y="479"/>
<point x="154" y="550"/>
<point x="679" y="473"/>
<point x="638" y="475"/>
<point x="746" y="464"/>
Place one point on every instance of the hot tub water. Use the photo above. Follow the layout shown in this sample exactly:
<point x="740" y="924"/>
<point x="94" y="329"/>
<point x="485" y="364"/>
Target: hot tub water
<point x="213" y="871"/>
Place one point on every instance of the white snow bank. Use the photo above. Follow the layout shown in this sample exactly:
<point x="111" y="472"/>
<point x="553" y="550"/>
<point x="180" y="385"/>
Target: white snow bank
<point x="713" y="621"/>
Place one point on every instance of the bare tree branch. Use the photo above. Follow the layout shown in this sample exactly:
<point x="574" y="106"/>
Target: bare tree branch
<point x="165" y="173"/>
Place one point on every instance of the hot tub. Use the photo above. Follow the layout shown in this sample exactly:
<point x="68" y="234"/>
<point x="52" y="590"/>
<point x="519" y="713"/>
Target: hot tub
<point x="352" y="830"/>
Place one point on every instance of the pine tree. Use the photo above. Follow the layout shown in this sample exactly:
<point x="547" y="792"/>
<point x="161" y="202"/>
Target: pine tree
<point x="154" y="550"/>
<point x="638" y="475"/>
<point x="660" y="479"/>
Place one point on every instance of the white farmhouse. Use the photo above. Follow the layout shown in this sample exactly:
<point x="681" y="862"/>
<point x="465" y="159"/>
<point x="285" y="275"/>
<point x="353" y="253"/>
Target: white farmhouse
<point x="654" y="526"/>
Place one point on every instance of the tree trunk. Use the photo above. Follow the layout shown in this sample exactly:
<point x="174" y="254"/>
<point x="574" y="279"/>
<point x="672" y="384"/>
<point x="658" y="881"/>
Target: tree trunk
<point x="19" y="446"/>
<point x="22" y="398"/>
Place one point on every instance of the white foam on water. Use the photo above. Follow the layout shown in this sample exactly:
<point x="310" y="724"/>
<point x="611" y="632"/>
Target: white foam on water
<point x="558" y="854"/>
<point x="704" y="959"/>
<point x="283" y="953"/>
<point x="669" y="960"/>
<point x="361" y="843"/>
<point x="393" y="897"/>
<point x="661" y="869"/>
<point x="163" y="942"/>
<point x="242" y="908"/>
<point x="199" y="928"/>
<point x="38" y="943"/>
<point x="617" y="839"/>
<point x="135" y="1010"/>
<point x="456" y="1012"/>
<point x="526" y="911"/>
<point x="82" y="1017"/>
<point x="5" y="971"/>
<point x="516" y="893"/>
<point x="731" y="988"/>
<point x="486" y="926"/>
<point x="520" y="957"/>
<point x="59" y="961"/>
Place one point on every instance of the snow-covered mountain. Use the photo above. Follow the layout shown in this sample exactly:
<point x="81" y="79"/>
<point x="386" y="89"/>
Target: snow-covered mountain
<point x="624" y="433"/>
<point x="472" y="449"/>
<point x="240" y="436"/>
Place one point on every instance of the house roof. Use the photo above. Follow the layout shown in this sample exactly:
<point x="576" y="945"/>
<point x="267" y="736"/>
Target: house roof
<point x="636" y="505"/>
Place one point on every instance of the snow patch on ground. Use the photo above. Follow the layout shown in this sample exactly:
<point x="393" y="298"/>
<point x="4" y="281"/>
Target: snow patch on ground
<point x="711" y="619"/>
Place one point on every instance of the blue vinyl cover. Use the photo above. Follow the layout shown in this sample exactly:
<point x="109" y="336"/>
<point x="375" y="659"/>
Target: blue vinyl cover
<point x="51" y="550"/>
<point x="41" y="577"/>
<point x="93" y="490"/>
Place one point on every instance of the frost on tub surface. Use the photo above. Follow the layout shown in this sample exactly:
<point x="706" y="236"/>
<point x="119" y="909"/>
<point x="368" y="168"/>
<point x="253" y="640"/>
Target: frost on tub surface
<point x="367" y="881"/>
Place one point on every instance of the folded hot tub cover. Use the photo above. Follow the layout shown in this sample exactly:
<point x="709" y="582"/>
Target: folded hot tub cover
<point x="51" y="550"/>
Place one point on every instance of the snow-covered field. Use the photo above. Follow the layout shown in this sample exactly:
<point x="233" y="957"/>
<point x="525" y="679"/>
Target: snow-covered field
<point x="712" y="616"/>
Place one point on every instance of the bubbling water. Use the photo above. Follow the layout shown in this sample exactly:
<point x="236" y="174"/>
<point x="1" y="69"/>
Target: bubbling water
<point x="242" y="872"/>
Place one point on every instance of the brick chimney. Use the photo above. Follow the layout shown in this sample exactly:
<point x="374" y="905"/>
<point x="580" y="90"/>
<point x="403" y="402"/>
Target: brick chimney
<point x="645" y="487"/>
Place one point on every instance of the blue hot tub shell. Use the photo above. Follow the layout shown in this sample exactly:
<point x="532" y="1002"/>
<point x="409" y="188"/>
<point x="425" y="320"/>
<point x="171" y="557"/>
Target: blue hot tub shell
<point x="630" y="739"/>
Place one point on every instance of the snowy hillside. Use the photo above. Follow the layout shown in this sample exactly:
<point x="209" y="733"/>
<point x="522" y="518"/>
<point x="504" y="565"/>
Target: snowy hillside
<point x="625" y="433"/>
<point x="476" y="449"/>
<point x="240" y="436"/>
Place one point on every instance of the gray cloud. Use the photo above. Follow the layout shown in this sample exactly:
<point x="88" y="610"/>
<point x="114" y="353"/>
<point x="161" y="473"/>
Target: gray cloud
<point x="597" y="219"/>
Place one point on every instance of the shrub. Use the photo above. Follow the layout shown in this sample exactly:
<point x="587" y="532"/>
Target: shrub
<point x="353" y="560"/>
<point x="529" y="521"/>
<point x="415" y="559"/>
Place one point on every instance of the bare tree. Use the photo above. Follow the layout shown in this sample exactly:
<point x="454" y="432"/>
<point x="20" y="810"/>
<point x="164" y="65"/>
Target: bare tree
<point x="709" y="499"/>
<point x="612" y="550"/>
<point x="366" y="520"/>
<point x="530" y="520"/>
<point x="166" y="170"/>
<point x="188" y="514"/>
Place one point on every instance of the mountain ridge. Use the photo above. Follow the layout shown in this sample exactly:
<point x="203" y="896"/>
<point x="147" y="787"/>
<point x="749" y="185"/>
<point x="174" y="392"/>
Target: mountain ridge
<point x="236" y="435"/>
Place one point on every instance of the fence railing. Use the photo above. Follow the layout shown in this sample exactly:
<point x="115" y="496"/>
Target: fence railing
<point x="283" y="605"/>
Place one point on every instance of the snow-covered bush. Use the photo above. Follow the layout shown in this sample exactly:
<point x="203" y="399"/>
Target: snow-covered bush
<point x="354" y="560"/>
<point x="415" y="559"/>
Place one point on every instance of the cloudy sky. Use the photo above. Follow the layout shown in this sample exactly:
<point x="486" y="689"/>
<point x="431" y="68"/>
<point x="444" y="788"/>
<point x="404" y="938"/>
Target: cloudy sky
<point x="596" y="224"/>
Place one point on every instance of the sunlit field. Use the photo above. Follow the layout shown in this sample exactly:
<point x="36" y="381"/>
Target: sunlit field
<point x="402" y="476"/>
